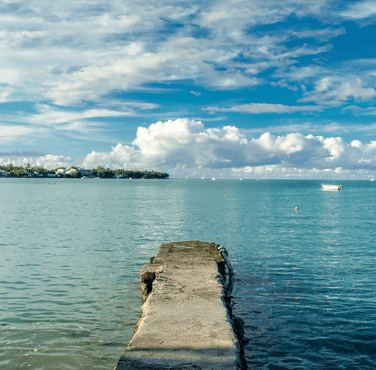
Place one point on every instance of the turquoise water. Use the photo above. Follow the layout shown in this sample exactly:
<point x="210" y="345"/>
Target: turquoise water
<point x="72" y="251"/>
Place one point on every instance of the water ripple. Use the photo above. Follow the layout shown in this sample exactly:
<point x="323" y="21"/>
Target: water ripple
<point x="69" y="276"/>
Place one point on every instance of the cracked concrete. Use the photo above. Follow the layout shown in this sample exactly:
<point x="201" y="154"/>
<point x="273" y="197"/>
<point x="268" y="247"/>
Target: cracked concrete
<point x="185" y="322"/>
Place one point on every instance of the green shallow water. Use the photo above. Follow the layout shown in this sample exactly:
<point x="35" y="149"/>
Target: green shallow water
<point x="72" y="251"/>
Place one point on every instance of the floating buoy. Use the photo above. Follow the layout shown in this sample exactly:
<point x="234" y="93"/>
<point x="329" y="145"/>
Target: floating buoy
<point x="296" y="207"/>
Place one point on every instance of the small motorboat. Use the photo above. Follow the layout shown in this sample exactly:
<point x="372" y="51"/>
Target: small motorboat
<point x="331" y="187"/>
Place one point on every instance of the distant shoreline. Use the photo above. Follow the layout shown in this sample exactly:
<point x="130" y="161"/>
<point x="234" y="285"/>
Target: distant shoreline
<point x="78" y="172"/>
<point x="83" y="178"/>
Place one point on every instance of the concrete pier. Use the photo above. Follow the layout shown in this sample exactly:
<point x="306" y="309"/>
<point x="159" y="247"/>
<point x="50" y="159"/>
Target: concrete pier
<point x="186" y="320"/>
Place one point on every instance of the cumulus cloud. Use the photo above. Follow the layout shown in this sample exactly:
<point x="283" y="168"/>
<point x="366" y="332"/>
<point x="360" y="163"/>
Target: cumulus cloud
<point x="48" y="161"/>
<point x="186" y="146"/>
<point x="78" y="54"/>
<point x="258" y="108"/>
<point x="121" y="156"/>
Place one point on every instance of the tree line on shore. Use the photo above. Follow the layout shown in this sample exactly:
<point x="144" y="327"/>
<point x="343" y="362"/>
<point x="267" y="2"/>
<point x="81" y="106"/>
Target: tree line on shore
<point x="77" y="172"/>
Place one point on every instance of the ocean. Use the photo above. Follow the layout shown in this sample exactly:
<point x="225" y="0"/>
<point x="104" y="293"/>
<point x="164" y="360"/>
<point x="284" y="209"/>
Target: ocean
<point x="71" y="252"/>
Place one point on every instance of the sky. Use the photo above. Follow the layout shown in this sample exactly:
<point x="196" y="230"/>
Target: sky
<point x="219" y="88"/>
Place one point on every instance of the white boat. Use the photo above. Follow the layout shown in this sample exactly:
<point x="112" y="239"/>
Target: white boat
<point x="331" y="187"/>
<point x="213" y="178"/>
<point x="372" y="178"/>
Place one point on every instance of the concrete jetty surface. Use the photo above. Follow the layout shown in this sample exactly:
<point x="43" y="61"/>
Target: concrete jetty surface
<point x="186" y="321"/>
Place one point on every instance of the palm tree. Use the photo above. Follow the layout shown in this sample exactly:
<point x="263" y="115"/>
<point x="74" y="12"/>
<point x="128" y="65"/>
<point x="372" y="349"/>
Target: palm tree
<point x="28" y="168"/>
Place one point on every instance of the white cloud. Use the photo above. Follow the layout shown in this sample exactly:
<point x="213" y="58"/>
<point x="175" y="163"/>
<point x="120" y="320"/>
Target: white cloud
<point x="258" y="108"/>
<point x="120" y="157"/>
<point x="5" y="94"/>
<point x="335" y="91"/>
<point x="123" y="73"/>
<point x="360" y="10"/>
<point x="236" y="15"/>
<point x="48" y="161"/>
<point x="182" y="58"/>
<point x="9" y="133"/>
<point x="51" y="123"/>
<point x="51" y="117"/>
<point x="9" y="76"/>
<point x="184" y="146"/>
<point x="283" y="83"/>
<point x="83" y="127"/>
<point x="356" y="144"/>
<point x="301" y="74"/>
<point x="320" y="34"/>
<point x="77" y="52"/>
<point x="328" y="128"/>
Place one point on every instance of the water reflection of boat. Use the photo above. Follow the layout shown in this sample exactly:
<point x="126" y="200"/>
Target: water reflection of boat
<point x="331" y="187"/>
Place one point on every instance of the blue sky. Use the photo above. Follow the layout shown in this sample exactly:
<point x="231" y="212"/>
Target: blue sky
<point x="251" y="89"/>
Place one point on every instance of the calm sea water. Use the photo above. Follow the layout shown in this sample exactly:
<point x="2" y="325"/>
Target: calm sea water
<point x="71" y="252"/>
